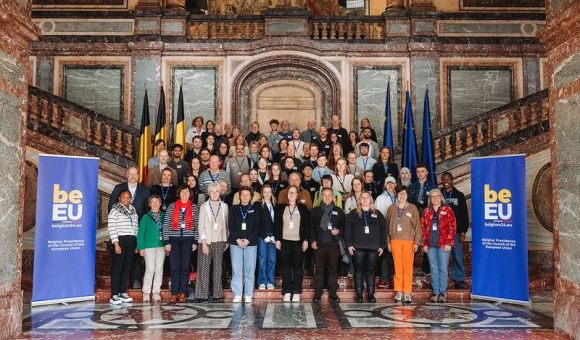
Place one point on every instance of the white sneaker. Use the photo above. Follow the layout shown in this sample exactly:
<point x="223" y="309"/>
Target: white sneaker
<point x="156" y="297"/>
<point x="270" y="286"/>
<point x="237" y="299"/>
<point x="115" y="300"/>
<point x="262" y="286"/>
<point x="146" y="298"/>
<point x="248" y="299"/>
<point x="399" y="296"/>
<point x="125" y="298"/>
<point x="407" y="298"/>
<point x="287" y="297"/>
<point x="295" y="297"/>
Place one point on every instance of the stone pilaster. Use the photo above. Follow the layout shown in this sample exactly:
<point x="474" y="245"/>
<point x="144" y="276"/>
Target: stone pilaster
<point x="562" y="37"/>
<point x="16" y="33"/>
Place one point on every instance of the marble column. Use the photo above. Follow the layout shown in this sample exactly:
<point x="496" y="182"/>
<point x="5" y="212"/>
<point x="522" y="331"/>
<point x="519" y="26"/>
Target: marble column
<point x="16" y="33"/>
<point x="562" y="38"/>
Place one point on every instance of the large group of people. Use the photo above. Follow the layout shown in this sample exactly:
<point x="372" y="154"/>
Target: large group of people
<point x="287" y="199"/>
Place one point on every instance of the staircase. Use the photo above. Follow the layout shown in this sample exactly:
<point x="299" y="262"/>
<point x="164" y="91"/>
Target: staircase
<point x="56" y="125"/>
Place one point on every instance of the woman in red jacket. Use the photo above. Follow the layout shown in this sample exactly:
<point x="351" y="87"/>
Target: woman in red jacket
<point x="438" y="224"/>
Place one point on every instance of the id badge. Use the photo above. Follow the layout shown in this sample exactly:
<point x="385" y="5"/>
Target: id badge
<point x="164" y="207"/>
<point x="160" y="237"/>
<point x="399" y="227"/>
<point x="182" y="226"/>
<point x="303" y="201"/>
<point x="215" y="226"/>
<point x="329" y="226"/>
<point x="434" y="226"/>
<point x="239" y="173"/>
<point x="291" y="225"/>
<point x="244" y="226"/>
<point x="367" y="229"/>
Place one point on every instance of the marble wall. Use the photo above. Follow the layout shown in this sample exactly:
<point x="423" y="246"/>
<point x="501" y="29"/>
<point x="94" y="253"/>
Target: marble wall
<point x="425" y="76"/>
<point x="476" y="90"/>
<point x="370" y="98"/>
<point x="199" y="92"/>
<point x="146" y="74"/>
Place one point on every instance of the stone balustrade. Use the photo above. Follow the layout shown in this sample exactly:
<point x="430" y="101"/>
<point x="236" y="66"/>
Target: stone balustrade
<point x="54" y="116"/>
<point x="220" y="27"/>
<point x="347" y="28"/>
<point x="526" y="113"/>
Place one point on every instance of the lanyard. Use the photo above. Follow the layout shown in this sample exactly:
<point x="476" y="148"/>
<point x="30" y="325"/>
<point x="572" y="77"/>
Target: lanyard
<point x="365" y="161"/>
<point x="393" y="198"/>
<point x="386" y="168"/>
<point x="158" y="222"/>
<point x="330" y="216"/>
<point x="270" y="208"/>
<point x="240" y="164"/>
<point x="366" y="218"/>
<point x="164" y="193"/>
<point x="211" y="175"/>
<point x="295" y="146"/>
<point x="222" y="161"/>
<point x="354" y="174"/>
<point x="215" y="216"/>
<point x="445" y="195"/>
<point x="320" y="175"/>
<point x="182" y="214"/>
<point x="252" y="161"/>
<point x="400" y="212"/>
<point x="341" y="181"/>
<point x="275" y="187"/>
<point x="245" y="214"/>
<point x="291" y="212"/>
<point x="436" y="215"/>
<point x="273" y="139"/>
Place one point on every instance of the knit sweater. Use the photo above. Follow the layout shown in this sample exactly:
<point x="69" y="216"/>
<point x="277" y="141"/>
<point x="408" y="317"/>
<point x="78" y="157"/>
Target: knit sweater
<point x="148" y="235"/>
<point x="120" y="224"/>
<point x="205" y="179"/>
<point x="169" y="232"/>
<point x="410" y="223"/>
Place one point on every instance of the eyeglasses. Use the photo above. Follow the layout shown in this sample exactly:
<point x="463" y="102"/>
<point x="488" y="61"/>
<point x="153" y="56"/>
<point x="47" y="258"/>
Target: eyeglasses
<point x="434" y="196"/>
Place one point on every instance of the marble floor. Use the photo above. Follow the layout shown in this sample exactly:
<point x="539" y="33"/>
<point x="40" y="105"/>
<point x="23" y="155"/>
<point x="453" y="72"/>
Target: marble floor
<point x="268" y="319"/>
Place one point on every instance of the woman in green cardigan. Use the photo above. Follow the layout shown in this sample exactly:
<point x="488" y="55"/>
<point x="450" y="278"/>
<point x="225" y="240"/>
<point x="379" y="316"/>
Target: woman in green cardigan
<point x="150" y="246"/>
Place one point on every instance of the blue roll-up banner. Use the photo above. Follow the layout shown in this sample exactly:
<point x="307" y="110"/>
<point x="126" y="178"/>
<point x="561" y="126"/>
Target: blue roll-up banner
<point x="66" y="221"/>
<point x="500" y="229"/>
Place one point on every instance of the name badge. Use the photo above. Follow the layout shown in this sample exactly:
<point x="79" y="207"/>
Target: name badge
<point x="329" y="226"/>
<point x="367" y="229"/>
<point x="339" y="136"/>
<point x="294" y="168"/>
<point x="291" y="225"/>
<point x="312" y="189"/>
<point x="409" y="214"/>
<point x="182" y="226"/>
<point x="239" y="173"/>
<point x="251" y="211"/>
<point x="374" y="215"/>
<point x="215" y="226"/>
<point x="335" y="212"/>
<point x="164" y="207"/>
<point x="281" y="185"/>
<point x="244" y="226"/>
<point x="179" y="166"/>
<point x="327" y="146"/>
<point x="302" y="201"/>
<point x="399" y="227"/>
<point x="434" y="226"/>
<point x="444" y="213"/>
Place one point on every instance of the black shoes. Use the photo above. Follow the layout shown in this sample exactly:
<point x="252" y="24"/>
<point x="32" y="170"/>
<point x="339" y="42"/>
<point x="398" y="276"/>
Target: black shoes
<point x="371" y="298"/>
<point x="359" y="298"/>
<point x="334" y="298"/>
<point x="317" y="298"/>
<point x="461" y="285"/>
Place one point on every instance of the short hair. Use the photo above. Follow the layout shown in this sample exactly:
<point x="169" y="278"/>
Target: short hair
<point x="181" y="188"/>
<point x="167" y="169"/>
<point x="197" y="137"/>
<point x="326" y="189"/>
<point x="196" y="118"/>
<point x="307" y="165"/>
<point x="204" y="149"/>
<point x="159" y="141"/>
<point x="327" y="177"/>
<point x="152" y="197"/>
<point x="248" y="189"/>
<point x="400" y="188"/>
<point x="320" y="155"/>
<point x="273" y="121"/>
<point x="446" y="173"/>
<point x="363" y="145"/>
<point x="367" y="171"/>
<point x="422" y="165"/>
<point x="213" y="186"/>
<point x="177" y="145"/>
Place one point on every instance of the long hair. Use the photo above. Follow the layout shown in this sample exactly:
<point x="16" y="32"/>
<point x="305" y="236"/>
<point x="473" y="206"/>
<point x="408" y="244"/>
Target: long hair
<point x="273" y="199"/>
<point x="372" y="209"/>
<point x="362" y="182"/>
<point x="331" y="160"/>
<point x="280" y="178"/>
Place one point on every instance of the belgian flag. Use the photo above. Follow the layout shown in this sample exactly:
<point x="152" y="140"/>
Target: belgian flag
<point x="160" y="124"/>
<point x="180" y="122"/>
<point x="144" y="142"/>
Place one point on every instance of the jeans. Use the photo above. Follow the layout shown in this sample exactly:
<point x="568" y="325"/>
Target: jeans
<point x="438" y="261"/>
<point x="179" y="263"/>
<point x="267" y="262"/>
<point x="291" y="262"/>
<point x="122" y="263"/>
<point x="243" y="268"/>
<point x="457" y="269"/>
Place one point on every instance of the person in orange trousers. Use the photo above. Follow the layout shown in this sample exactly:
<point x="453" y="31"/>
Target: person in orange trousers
<point x="403" y="240"/>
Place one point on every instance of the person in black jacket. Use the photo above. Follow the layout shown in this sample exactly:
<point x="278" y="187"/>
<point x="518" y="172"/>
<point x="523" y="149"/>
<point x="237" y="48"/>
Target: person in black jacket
<point x="266" y="240"/>
<point x="165" y="190"/>
<point x="384" y="167"/>
<point x="139" y="197"/>
<point x="327" y="223"/>
<point x="456" y="200"/>
<point x="244" y="226"/>
<point x="291" y="230"/>
<point x="365" y="236"/>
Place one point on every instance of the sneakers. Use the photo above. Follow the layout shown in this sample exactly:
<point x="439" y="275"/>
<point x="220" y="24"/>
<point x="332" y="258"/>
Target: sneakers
<point x="442" y="297"/>
<point x="295" y="297"/>
<point x="407" y="298"/>
<point x="334" y="298"/>
<point x="399" y="296"/>
<point x="461" y="285"/>
<point x="125" y="298"/>
<point x="270" y="286"/>
<point x="248" y="299"/>
<point x="156" y="297"/>
<point x="262" y="286"/>
<point x="115" y="300"/>
<point x="434" y="298"/>
<point x="287" y="297"/>
<point x="382" y="284"/>
<point x="350" y="275"/>
<point x="146" y="298"/>
<point x="237" y="299"/>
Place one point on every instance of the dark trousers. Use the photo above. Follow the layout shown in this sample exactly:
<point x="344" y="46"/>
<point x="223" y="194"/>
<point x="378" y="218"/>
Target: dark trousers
<point x="291" y="262"/>
<point x="122" y="263"/>
<point x="326" y="258"/>
<point x="387" y="258"/>
<point x="136" y="268"/>
<point x="365" y="261"/>
<point x="179" y="263"/>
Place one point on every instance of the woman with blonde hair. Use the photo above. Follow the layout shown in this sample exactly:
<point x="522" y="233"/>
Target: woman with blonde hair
<point x="266" y="242"/>
<point x="365" y="236"/>
<point x="352" y="199"/>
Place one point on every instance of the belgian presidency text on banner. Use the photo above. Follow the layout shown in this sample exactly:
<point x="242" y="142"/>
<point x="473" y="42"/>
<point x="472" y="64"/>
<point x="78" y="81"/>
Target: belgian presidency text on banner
<point x="66" y="217"/>
<point x="499" y="227"/>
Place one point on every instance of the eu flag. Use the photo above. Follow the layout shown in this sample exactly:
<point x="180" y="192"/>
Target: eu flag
<point x="388" y="138"/>
<point x="427" y="149"/>
<point x="409" y="141"/>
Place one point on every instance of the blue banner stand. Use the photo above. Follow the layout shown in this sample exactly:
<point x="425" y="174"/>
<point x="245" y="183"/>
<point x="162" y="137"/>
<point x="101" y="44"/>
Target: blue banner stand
<point x="499" y="229"/>
<point x="65" y="231"/>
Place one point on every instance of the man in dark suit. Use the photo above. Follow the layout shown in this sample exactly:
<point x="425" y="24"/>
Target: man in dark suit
<point x="139" y="197"/>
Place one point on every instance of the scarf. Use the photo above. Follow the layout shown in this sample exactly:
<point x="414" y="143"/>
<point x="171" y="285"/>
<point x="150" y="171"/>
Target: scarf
<point x="325" y="218"/>
<point x="127" y="211"/>
<point x="177" y="211"/>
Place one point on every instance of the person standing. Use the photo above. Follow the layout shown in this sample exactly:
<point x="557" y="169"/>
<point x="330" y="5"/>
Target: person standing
<point x="365" y="236"/>
<point x="212" y="174"/>
<point x="236" y="167"/>
<point x="244" y="227"/>
<point x="254" y="134"/>
<point x="154" y="173"/>
<point x="327" y="223"/>
<point x="180" y="233"/>
<point x="166" y="192"/>
<point x="176" y="163"/>
<point x="384" y="167"/>
<point x="373" y="151"/>
<point x="439" y="227"/>
<point x="382" y="203"/>
<point x="151" y="248"/>
<point x="291" y="231"/>
<point x="403" y="239"/>
<point x="341" y="132"/>
<point x="213" y="236"/>
<point x="310" y="134"/>
<point x="456" y="200"/>
<point x="122" y="227"/>
<point x="266" y="241"/>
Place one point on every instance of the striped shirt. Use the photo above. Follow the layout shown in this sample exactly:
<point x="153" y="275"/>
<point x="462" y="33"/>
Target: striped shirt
<point x="168" y="230"/>
<point x="120" y="224"/>
<point x="205" y="179"/>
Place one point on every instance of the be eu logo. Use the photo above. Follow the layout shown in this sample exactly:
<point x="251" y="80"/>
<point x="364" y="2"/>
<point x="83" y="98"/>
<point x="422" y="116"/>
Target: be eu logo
<point x="497" y="205"/>
<point x="67" y="206"/>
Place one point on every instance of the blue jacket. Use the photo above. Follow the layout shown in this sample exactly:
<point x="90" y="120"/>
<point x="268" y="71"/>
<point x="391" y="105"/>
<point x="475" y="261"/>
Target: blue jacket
<point x="414" y="189"/>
